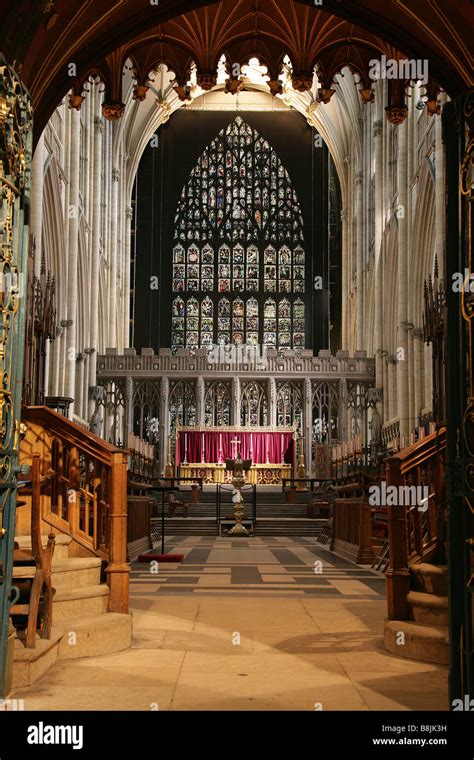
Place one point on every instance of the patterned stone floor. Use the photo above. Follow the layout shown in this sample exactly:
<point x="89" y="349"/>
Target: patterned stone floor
<point x="249" y="625"/>
<point x="284" y="567"/>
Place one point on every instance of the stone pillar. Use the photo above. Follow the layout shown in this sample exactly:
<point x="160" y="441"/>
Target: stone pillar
<point x="386" y="393"/>
<point x="73" y="244"/>
<point x="36" y="202"/>
<point x="392" y="384"/>
<point x="402" y="307"/>
<point x="308" y="425"/>
<point x="359" y="263"/>
<point x="440" y="185"/>
<point x="95" y="256"/>
<point x="345" y="278"/>
<point x="378" y="226"/>
<point x="272" y="403"/>
<point x="378" y="255"/>
<point x="128" y="427"/>
<point x="200" y="401"/>
<point x="344" y="429"/>
<point x="113" y="261"/>
<point x="126" y="286"/>
<point x="236" y="401"/>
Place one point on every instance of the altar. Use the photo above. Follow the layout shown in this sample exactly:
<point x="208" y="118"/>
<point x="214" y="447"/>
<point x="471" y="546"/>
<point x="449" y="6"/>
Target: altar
<point x="201" y="452"/>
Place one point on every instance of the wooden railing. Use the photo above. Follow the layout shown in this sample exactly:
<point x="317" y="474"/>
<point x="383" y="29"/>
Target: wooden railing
<point x="352" y="526"/>
<point x="416" y="526"/>
<point x="87" y="493"/>
<point x="138" y="525"/>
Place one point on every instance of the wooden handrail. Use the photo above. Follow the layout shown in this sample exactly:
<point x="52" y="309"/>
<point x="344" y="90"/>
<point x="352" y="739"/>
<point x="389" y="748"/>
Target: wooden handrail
<point x="71" y="432"/>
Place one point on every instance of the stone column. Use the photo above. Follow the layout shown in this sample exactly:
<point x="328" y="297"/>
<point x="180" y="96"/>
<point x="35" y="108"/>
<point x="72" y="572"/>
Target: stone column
<point x="113" y="260"/>
<point x="344" y="429"/>
<point x="126" y="287"/>
<point x="95" y="255"/>
<point x="308" y="426"/>
<point x="200" y="401"/>
<point x="73" y="244"/>
<point x="359" y="262"/>
<point x="272" y="407"/>
<point x="128" y="424"/>
<point x="440" y="183"/>
<point x="378" y="256"/>
<point x="236" y="401"/>
<point x="392" y="384"/>
<point x="402" y="307"/>
<point x="36" y="202"/>
<point x="345" y="278"/>
<point x="385" y="385"/>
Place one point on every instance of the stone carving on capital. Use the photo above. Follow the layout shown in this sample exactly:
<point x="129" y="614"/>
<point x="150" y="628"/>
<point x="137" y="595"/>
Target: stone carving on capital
<point x="113" y="110"/>
<point x="396" y="115"/>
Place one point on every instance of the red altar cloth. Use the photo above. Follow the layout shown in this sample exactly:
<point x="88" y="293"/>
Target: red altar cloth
<point x="260" y="447"/>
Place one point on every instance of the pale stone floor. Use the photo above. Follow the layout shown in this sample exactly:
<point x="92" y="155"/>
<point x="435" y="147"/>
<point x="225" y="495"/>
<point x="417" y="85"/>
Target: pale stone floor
<point x="249" y="625"/>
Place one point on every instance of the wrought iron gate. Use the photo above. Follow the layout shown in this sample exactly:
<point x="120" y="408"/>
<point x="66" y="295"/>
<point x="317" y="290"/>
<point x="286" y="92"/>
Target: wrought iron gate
<point x="15" y="172"/>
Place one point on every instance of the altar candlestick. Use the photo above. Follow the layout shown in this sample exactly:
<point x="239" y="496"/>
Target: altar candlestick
<point x="220" y="448"/>
<point x="282" y="449"/>
<point x="185" y="448"/>
<point x="203" y="456"/>
<point x="251" y="447"/>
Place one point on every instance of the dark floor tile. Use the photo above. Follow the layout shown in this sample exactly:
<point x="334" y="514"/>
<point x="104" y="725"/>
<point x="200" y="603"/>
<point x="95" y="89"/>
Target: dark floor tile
<point x="197" y="556"/>
<point x="286" y="557"/>
<point x="245" y="574"/>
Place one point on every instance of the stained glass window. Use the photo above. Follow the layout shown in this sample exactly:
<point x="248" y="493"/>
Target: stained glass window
<point x="238" y="235"/>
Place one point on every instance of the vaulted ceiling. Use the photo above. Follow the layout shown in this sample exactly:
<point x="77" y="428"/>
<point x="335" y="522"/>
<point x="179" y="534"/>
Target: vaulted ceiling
<point x="42" y="38"/>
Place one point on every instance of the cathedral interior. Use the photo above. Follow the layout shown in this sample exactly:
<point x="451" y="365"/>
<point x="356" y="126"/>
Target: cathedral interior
<point x="237" y="355"/>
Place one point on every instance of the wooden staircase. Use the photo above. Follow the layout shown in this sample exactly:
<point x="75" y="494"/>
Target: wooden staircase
<point x="84" y="503"/>
<point x="417" y="575"/>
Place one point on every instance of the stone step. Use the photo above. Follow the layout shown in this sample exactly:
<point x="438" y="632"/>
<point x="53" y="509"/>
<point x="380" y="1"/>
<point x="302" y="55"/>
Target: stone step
<point x="78" y="603"/>
<point x="428" y="609"/>
<point x="427" y="643"/>
<point x="30" y="664"/>
<point x="61" y="544"/>
<point x="75" y="572"/>
<point x="96" y="635"/>
<point x="433" y="579"/>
